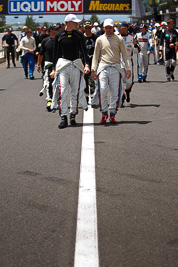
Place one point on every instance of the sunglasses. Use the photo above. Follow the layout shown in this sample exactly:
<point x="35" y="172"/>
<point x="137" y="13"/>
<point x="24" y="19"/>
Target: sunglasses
<point x="29" y="32"/>
<point x="87" y="28"/>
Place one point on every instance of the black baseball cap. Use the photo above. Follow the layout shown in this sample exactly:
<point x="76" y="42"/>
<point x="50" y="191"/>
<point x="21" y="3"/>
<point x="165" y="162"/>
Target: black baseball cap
<point x="87" y="23"/>
<point x="54" y="27"/>
<point x="143" y="26"/>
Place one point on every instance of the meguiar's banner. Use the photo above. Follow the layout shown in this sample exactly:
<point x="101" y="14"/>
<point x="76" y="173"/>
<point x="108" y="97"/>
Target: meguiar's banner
<point x="32" y="7"/>
<point x="107" y="6"/>
<point x="3" y="7"/>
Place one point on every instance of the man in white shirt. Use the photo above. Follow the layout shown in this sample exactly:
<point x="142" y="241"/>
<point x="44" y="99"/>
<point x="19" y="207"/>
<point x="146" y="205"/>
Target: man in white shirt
<point x="28" y="46"/>
<point x="107" y="53"/>
<point x="95" y="29"/>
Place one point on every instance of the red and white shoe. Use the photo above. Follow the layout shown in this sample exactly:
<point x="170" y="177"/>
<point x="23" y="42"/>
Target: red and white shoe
<point x="104" y="118"/>
<point x="112" y="119"/>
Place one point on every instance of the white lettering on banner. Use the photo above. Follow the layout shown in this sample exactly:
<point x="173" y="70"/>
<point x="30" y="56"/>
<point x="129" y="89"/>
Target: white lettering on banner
<point x="70" y="8"/>
<point x="76" y="4"/>
<point x="34" y="6"/>
<point x="51" y="5"/>
<point x="62" y="6"/>
<point x="25" y="6"/>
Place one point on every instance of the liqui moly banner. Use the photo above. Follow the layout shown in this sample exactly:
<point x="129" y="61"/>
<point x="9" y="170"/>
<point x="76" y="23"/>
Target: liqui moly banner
<point x="13" y="7"/>
<point x="45" y="6"/>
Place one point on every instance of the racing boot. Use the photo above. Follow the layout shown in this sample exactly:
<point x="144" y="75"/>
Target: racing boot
<point x="72" y="119"/>
<point x="128" y="97"/>
<point x="48" y="106"/>
<point x="172" y="77"/>
<point x="63" y="123"/>
<point x="112" y="119"/>
<point x="104" y="118"/>
<point x="123" y="99"/>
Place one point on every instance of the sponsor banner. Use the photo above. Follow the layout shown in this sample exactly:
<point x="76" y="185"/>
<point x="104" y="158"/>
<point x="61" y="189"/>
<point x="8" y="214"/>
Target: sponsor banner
<point x="107" y="6"/>
<point x="3" y="7"/>
<point x="26" y="7"/>
<point x="65" y="6"/>
<point x="45" y="6"/>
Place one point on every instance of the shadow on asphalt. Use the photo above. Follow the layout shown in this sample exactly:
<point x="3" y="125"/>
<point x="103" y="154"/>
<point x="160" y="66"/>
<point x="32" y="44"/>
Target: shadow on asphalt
<point x="151" y="82"/>
<point x="143" y="105"/>
<point x="1" y="90"/>
<point x="108" y="124"/>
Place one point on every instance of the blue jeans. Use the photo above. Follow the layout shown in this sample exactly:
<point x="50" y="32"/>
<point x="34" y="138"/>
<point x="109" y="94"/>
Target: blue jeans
<point x="28" y="59"/>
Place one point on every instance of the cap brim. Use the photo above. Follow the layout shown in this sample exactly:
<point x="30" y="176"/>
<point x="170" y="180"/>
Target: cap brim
<point x="109" y="25"/>
<point x="76" y="20"/>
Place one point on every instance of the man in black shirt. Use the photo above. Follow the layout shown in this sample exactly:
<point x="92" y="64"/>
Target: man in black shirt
<point x="10" y="39"/>
<point x="170" y="37"/>
<point x="68" y="68"/>
<point x="39" y="38"/>
<point x="46" y="54"/>
<point x="90" y="39"/>
<point x="101" y="31"/>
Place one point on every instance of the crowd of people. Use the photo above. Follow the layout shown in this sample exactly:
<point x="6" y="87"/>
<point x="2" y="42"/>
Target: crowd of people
<point x="91" y="61"/>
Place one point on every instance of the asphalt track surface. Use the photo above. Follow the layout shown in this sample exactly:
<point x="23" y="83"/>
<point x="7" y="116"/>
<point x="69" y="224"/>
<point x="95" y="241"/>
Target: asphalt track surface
<point x="136" y="177"/>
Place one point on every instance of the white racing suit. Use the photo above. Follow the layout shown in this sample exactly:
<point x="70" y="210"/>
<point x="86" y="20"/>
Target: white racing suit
<point x="156" y="42"/>
<point x="145" y="43"/>
<point x="128" y="83"/>
<point x="108" y="77"/>
<point x="47" y="81"/>
<point x="69" y="76"/>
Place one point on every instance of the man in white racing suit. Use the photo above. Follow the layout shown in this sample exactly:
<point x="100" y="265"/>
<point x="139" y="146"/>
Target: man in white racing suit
<point x="107" y="53"/>
<point x="69" y="44"/>
<point x="144" y="40"/>
<point x="131" y="47"/>
<point x="46" y="54"/>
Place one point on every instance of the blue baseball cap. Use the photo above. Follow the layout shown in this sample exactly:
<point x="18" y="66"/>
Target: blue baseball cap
<point x="123" y="24"/>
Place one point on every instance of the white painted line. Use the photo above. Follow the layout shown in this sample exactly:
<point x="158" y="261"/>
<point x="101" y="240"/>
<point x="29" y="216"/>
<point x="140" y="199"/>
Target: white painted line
<point x="86" y="247"/>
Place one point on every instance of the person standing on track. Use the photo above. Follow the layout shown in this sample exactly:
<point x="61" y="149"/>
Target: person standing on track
<point x="28" y="46"/>
<point x="144" y="40"/>
<point x="46" y="52"/>
<point x="156" y="42"/>
<point x="107" y="53"/>
<point x="10" y="39"/>
<point x="90" y="39"/>
<point x="162" y="54"/>
<point x="68" y="69"/>
<point x="170" y="36"/>
<point x="23" y="33"/>
<point x="38" y="41"/>
<point x="132" y="47"/>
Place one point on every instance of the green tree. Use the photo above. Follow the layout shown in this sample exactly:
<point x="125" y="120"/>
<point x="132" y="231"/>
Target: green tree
<point x="30" y="22"/>
<point x="2" y="23"/>
<point x="19" y="29"/>
<point x="46" y="24"/>
<point x="94" y="18"/>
